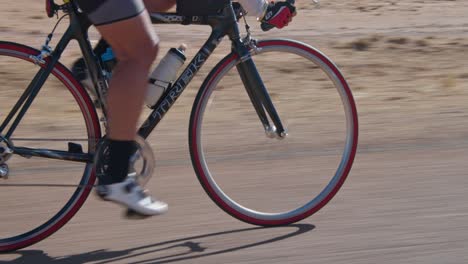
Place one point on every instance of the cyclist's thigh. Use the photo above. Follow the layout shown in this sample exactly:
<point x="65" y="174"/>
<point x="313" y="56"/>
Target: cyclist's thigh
<point x="159" y="5"/>
<point x="124" y="24"/>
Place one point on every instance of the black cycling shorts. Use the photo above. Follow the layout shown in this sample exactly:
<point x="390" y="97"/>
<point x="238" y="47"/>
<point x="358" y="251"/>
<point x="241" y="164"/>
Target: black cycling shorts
<point x="102" y="12"/>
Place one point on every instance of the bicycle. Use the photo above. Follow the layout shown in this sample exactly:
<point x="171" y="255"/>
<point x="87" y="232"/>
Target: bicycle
<point x="255" y="103"/>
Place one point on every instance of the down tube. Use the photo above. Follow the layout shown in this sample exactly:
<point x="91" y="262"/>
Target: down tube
<point x="179" y="86"/>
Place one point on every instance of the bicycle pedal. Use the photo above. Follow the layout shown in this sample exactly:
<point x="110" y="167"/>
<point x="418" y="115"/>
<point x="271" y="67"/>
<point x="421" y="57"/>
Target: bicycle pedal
<point x="133" y="215"/>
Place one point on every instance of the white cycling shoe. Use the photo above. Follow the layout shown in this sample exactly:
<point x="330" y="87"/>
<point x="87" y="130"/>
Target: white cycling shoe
<point x="131" y="195"/>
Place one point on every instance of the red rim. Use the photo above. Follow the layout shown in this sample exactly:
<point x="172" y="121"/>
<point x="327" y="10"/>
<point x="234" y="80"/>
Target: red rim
<point x="194" y="147"/>
<point x="92" y="123"/>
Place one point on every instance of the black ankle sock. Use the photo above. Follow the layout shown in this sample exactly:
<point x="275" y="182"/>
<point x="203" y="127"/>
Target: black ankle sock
<point x="119" y="158"/>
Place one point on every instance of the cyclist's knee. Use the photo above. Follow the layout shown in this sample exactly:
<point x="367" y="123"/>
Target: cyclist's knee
<point x="143" y="56"/>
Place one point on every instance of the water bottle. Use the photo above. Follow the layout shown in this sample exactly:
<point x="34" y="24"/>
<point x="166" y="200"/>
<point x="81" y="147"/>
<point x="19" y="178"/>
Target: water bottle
<point x="109" y="60"/>
<point x="164" y="74"/>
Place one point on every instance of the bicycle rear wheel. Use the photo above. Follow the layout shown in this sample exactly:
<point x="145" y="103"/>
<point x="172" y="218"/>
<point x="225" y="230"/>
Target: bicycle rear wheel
<point x="265" y="181"/>
<point x="41" y="194"/>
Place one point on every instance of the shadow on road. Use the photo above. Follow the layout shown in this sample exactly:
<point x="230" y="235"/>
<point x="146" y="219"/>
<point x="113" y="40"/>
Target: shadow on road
<point x="188" y="249"/>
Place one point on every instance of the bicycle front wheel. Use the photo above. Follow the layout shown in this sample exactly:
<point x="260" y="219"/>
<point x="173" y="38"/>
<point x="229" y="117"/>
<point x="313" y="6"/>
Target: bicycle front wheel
<point x="265" y="181"/>
<point x="41" y="194"/>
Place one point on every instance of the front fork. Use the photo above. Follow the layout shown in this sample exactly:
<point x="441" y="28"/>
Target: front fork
<point x="260" y="98"/>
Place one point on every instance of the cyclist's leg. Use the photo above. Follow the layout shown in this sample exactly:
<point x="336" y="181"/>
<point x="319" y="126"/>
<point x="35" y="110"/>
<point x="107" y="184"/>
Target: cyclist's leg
<point x="126" y="26"/>
<point x="135" y="45"/>
<point x="79" y="68"/>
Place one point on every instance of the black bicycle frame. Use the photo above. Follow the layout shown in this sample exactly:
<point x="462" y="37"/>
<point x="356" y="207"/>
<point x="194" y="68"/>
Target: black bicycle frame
<point x="222" y="25"/>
